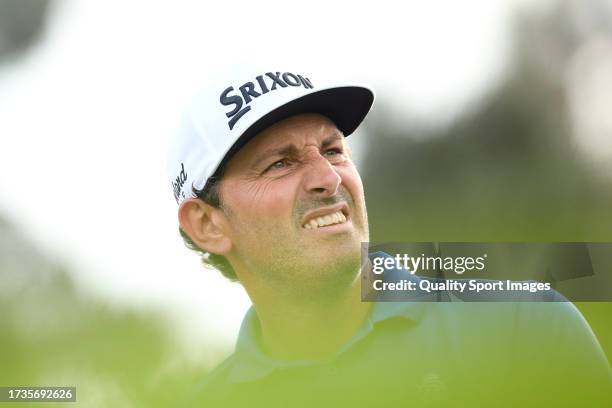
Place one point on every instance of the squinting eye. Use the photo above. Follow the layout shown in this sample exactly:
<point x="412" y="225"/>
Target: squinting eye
<point x="333" y="153"/>
<point x="277" y="165"/>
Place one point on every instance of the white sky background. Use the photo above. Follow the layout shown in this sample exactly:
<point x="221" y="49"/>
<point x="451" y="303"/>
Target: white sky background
<point x="86" y="118"/>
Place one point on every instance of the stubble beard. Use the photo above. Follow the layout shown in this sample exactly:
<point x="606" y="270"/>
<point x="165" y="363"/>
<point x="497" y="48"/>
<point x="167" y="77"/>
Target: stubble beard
<point x="315" y="275"/>
<point x="290" y="270"/>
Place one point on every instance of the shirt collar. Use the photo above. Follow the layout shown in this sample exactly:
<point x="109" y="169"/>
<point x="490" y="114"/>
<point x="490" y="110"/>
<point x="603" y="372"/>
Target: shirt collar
<point x="251" y="362"/>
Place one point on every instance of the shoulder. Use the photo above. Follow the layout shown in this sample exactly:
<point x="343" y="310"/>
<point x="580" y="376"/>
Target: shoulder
<point x="212" y="386"/>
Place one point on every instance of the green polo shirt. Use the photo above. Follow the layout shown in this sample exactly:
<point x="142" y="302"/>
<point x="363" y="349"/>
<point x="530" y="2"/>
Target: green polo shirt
<point x="428" y="354"/>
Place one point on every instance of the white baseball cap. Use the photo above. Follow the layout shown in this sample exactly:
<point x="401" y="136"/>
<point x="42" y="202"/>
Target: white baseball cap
<point x="242" y="102"/>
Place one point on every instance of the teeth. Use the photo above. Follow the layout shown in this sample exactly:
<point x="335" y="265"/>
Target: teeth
<point x="334" y="218"/>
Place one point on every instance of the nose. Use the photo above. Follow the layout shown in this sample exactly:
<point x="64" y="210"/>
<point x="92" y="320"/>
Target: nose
<point x="321" y="177"/>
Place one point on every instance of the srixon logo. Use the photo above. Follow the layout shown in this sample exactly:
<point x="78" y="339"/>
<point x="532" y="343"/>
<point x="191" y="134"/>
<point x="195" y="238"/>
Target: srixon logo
<point x="177" y="184"/>
<point x="268" y="82"/>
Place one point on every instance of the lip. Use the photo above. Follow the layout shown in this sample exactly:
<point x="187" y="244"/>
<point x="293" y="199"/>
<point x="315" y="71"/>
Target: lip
<point x="321" y="212"/>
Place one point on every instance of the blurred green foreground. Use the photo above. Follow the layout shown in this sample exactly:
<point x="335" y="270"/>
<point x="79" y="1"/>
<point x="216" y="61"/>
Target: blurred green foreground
<point x="506" y="170"/>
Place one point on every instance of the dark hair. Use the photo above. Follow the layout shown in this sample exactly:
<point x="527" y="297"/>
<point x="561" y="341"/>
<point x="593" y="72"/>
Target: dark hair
<point x="211" y="196"/>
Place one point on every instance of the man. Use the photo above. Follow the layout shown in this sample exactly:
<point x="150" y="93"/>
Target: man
<point x="268" y="192"/>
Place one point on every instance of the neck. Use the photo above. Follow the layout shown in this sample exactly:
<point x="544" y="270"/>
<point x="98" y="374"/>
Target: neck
<point x="311" y="329"/>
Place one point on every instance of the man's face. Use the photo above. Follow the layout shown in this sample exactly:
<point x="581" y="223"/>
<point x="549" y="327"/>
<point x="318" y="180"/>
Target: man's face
<point x="295" y="207"/>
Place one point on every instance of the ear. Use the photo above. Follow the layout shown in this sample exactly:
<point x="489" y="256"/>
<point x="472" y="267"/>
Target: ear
<point x="206" y="226"/>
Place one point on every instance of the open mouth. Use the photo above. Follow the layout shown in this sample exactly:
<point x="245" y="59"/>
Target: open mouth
<point x="337" y="217"/>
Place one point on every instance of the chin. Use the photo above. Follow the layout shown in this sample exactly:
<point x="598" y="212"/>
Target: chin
<point x="341" y="262"/>
<point x="338" y="247"/>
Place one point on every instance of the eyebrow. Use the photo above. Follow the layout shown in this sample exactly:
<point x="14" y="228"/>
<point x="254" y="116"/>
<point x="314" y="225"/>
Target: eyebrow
<point x="292" y="149"/>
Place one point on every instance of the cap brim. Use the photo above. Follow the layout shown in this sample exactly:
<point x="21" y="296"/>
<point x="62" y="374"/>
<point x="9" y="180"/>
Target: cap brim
<point x="346" y="106"/>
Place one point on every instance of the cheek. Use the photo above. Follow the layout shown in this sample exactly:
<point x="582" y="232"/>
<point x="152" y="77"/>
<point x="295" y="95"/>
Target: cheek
<point x="352" y="180"/>
<point x="260" y="202"/>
